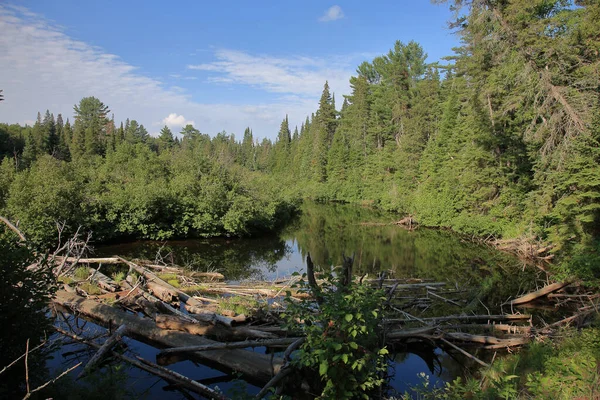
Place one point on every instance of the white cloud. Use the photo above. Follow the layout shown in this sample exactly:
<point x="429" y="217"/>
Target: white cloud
<point x="43" y="68"/>
<point x="333" y="13"/>
<point x="174" y="120"/>
<point x="303" y="76"/>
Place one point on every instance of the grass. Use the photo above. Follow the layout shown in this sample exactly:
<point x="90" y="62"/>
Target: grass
<point x="91" y="288"/>
<point x="238" y="305"/>
<point x="82" y="273"/>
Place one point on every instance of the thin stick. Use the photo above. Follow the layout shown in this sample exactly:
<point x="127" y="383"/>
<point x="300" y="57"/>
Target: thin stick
<point x="23" y="355"/>
<point x="51" y="381"/>
<point x="26" y="365"/>
<point x="14" y="229"/>
<point x="463" y="352"/>
<point x="280" y="375"/>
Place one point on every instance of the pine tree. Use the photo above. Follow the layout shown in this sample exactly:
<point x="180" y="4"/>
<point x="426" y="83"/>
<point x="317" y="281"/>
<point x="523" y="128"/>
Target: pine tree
<point x="89" y="132"/>
<point x="165" y="139"/>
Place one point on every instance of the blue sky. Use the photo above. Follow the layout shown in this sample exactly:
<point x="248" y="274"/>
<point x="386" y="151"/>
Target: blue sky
<point x="220" y="66"/>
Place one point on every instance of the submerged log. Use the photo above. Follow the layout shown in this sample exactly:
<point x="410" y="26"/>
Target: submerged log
<point x="218" y="332"/>
<point x="164" y="373"/>
<point x="539" y="293"/>
<point x="254" y="366"/>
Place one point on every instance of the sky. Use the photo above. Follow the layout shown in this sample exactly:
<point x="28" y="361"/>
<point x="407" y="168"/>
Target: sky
<point x="215" y="65"/>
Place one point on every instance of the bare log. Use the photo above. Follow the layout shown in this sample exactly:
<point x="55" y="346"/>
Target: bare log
<point x="465" y="353"/>
<point x="103" y="350"/>
<point x="106" y="260"/>
<point x="162" y="292"/>
<point x="487" y="340"/>
<point x="254" y="366"/>
<point x="219" y="332"/>
<point x="151" y="277"/>
<point x="102" y="280"/>
<point x="164" y="373"/>
<point x="232" y="345"/>
<point x="506" y="317"/>
<point x="539" y="293"/>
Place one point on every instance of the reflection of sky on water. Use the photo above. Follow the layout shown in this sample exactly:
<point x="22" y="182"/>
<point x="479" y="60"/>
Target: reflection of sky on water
<point x="327" y="232"/>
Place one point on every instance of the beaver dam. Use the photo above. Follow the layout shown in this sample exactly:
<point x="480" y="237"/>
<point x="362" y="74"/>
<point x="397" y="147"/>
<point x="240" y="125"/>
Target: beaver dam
<point x="149" y="325"/>
<point x="197" y="316"/>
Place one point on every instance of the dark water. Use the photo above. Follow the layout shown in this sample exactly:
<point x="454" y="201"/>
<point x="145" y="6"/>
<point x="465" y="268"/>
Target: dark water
<point x="327" y="232"/>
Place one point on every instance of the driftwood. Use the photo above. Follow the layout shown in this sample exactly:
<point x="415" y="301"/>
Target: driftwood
<point x="232" y="345"/>
<point x="539" y="293"/>
<point x="218" y="332"/>
<point x="486" y="340"/>
<point x="14" y="229"/>
<point x="166" y="374"/>
<point x="154" y="278"/>
<point x="465" y="353"/>
<point x="214" y="318"/>
<point x="254" y="366"/>
<point x="103" y="350"/>
<point x="162" y="292"/>
<point x="107" y="260"/>
<point x="433" y="320"/>
<point x="102" y="280"/>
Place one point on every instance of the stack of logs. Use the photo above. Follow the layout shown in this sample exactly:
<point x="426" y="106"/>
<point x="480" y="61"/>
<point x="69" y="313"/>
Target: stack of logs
<point x="150" y="309"/>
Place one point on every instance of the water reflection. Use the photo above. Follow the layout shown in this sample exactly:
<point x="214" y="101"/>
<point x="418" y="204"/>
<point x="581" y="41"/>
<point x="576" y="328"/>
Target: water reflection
<point x="329" y="231"/>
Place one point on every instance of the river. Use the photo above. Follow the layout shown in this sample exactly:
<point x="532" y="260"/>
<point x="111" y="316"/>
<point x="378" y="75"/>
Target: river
<point x="326" y="232"/>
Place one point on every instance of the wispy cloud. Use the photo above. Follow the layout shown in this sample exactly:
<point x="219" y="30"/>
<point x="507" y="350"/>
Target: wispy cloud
<point x="44" y="68"/>
<point x="303" y="76"/>
<point x="333" y="13"/>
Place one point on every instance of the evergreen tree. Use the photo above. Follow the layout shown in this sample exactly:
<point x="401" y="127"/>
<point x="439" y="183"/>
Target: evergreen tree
<point x="89" y="131"/>
<point x="165" y="139"/>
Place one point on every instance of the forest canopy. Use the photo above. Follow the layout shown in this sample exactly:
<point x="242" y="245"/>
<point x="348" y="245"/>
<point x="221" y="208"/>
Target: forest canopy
<point x="500" y="141"/>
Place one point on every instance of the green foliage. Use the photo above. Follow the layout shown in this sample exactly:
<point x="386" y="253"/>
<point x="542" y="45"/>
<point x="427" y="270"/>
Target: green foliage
<point x="24" y="296"/>
<point x="564" y="369"/>
<point x="82" y="273"/>
<point x="342" y="339"/>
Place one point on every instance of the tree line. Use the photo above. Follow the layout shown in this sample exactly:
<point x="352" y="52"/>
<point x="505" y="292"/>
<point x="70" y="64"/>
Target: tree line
<point x="500" y="141"/>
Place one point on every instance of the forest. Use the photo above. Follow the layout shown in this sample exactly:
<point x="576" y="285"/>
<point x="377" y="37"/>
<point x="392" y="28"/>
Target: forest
<point x="499" y="142"/>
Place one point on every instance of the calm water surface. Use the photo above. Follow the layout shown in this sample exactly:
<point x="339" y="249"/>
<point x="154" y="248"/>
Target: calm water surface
<point x="327" y="232"/>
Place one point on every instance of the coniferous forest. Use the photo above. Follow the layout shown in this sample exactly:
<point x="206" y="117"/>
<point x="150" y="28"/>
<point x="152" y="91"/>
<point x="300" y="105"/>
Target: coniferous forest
<point x="499" y="141"/>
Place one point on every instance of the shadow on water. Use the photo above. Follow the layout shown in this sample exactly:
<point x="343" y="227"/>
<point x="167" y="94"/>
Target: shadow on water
<point x="327" y="232"/>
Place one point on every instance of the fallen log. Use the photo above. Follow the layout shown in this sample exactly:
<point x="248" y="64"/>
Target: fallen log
<point x="152" y="277"/>
<point x="487" y="340"/>
<point x="218" y="332"/>
<point x="105" y="348"/>
<point x="465" y="353"/>
<point x="539" y="293"/>
<point x="162" y="292"/>
<point x="164" y="373"/>
<point x="214" y="318"/>
<point x="102" y="280"/>
<point x="506" y="317"/>
<point x="254" y="366"/>
<point x="107" y="260"/>
<point x="232" y="345"/>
